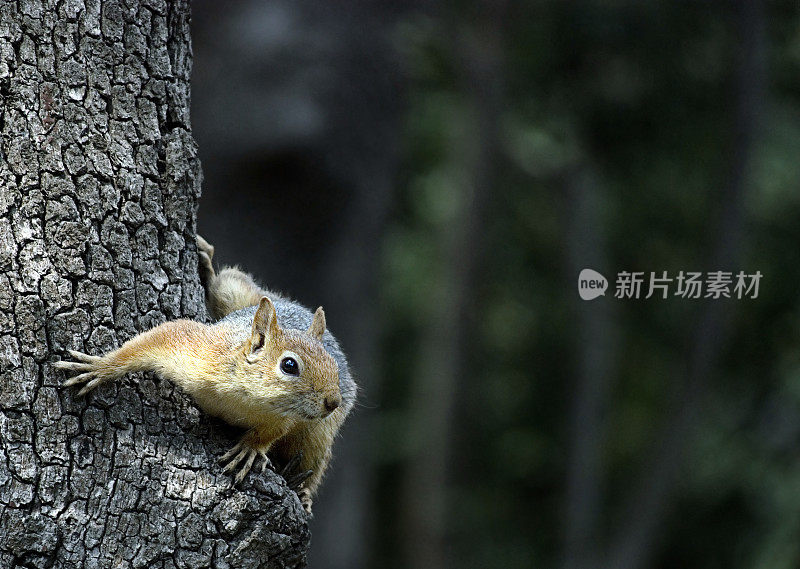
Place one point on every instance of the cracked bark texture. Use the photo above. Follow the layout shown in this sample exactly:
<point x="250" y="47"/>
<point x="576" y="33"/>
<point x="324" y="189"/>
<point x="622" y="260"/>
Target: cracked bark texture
<point x="99" y="185"/>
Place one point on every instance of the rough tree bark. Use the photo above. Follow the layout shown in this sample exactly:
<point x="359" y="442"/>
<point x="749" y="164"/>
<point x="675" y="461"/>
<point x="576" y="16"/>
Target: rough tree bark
<point x="99" y="185"/>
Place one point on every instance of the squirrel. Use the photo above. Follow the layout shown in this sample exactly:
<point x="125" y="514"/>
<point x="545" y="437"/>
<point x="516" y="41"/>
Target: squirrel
<point x="267" y="365"/>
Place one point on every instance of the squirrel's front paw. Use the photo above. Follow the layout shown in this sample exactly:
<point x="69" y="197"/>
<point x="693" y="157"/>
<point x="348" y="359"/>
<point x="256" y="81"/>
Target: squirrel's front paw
<point x="295" y="478"/>
<point x="90" y="369"/>
<point x="244" y="452"/>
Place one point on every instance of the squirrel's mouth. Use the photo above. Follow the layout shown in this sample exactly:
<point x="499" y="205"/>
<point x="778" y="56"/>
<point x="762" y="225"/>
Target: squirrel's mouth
<point x="311" y="416"/>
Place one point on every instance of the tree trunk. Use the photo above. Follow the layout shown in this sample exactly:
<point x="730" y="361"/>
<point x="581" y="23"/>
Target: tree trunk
<point x="99" y="184"/>
<point x="443" y="349"/>
<point x="595" y="363"/>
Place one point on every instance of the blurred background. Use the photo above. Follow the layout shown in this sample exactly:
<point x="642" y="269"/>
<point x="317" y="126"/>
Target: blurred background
<point x="436" y="175"/>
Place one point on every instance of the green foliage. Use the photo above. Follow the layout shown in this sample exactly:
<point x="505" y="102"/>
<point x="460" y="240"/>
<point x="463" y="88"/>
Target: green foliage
<point x="642" y="96"/>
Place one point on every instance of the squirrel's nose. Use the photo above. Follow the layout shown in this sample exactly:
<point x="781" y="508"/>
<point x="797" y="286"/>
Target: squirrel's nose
<point x="332" y="403"/>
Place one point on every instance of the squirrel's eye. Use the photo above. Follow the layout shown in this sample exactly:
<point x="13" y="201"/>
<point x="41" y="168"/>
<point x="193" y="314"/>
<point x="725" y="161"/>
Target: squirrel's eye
<point x="289" y="366"/>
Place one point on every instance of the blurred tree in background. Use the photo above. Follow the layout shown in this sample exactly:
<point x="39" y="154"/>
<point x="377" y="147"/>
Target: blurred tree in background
<point x="437" y="176"/>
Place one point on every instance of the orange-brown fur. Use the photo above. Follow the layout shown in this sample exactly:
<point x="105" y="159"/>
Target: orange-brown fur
<point x="234" y="374"/>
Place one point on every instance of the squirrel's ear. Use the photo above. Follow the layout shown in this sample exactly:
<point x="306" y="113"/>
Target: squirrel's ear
<point x="265" y="324"/>
<point x="317" y="327"/>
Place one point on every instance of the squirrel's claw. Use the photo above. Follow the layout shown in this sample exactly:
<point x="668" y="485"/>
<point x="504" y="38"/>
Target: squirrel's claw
<point x="265" y="460"/>
<point x="251" y="456"/>
<point x="86" y="376"/>
<point x="231" y="466"/>
<point x="87" y="365"/>
<point x="243" y="452"/>
<point x="84" y="357"/>
<point x="292" y="464"/>
<point x="296" y="482"/>
<point x="234" y="457"/>
<point x="89" y="386"/>
<point x="294" y="477"/>
<point x="230" y="453"/>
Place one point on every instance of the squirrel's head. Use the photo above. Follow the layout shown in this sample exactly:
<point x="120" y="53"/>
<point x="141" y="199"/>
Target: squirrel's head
<point x="301" y="377"/>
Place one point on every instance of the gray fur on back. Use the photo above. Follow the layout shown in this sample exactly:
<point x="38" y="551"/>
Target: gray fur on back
<point x="294" y="316"/>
